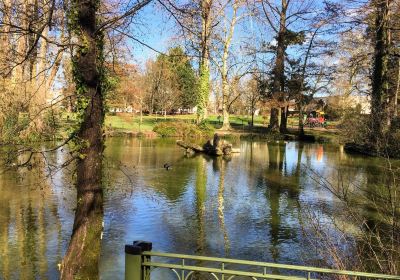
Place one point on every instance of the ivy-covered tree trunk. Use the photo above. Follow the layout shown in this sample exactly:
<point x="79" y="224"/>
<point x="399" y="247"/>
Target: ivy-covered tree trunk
<point x="394" y="63"/>
<point x="203" y="92"/>
<point x="379" y="76"/>
<point x="82" y="257"/>
<point x="204" y="69"/>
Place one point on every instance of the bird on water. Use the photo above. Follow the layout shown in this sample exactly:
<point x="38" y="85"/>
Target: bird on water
<point x="167" y="166"/>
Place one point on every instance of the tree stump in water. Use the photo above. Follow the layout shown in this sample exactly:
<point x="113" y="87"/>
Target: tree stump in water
<point x="214" y="147"/>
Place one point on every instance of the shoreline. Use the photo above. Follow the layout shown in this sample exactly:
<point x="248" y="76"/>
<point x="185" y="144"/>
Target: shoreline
<point x="316" y="136"/>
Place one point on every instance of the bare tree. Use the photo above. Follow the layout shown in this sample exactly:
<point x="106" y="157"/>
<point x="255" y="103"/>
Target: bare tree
<point x="224" y="55"/>
<point x="252" y="96"/>
<point x="33" y="44"/>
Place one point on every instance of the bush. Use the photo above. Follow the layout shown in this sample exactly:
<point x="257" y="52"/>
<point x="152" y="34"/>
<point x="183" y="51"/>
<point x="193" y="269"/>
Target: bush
<point x="364" y="232"/>
<point x="9" y="128"/>
<point x="354" y="127"/>
<point x="355" y="133"/>
<point x="392" y="144"/>
<point x="206" y="128"/>
<point x="51" y="124"/>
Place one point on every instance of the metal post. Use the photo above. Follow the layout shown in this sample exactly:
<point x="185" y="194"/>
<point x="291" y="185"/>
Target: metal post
<point x="134" y="259"/>
<point x="133" y="262"/>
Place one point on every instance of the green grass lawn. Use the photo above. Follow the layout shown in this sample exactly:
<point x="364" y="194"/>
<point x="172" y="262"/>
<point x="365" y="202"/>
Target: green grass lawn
<point x="236" y="120"/>
<point x="131" y="123"/>
<point x="127" y="122"/>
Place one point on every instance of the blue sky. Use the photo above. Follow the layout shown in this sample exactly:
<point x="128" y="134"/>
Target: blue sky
<point x="159" y="31"/>
<point x="155" y="31"/>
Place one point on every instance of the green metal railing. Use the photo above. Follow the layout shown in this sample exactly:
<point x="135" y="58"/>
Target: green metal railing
<point x="139" y="265"/>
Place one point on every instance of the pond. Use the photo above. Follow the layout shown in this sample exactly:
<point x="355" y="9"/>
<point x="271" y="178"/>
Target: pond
<point x="248" y="207"/>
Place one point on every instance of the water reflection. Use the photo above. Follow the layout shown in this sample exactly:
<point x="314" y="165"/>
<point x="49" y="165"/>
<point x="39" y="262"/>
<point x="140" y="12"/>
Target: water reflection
<point x="30" y="227"/>
<point x="220" y="166"/>
<point x="245" y="207"/>
<point x="201" y="189"/>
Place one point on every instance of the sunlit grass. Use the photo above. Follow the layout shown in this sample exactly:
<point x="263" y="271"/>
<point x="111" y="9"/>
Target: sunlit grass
<point x="125" y="122"/>
<point x="129" y="123"/>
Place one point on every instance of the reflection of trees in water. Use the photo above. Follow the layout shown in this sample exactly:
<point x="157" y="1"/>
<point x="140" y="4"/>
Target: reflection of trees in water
<point x="5" y="223"/>
<point x="200" y="197"/>
<point x="220" y="165"/>
<point x="364" y="231"/>
<point x="142" y="161"/>
<point x="276" y="155"/>
<point x="378" y="248"/>
<point x="201" y="188"/>
<point x="254" y="160"/>
<point x="25" y="222"/>
<point x="280" y="182"/>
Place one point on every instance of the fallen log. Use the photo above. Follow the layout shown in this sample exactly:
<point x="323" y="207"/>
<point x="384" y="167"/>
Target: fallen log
<point x="193" y="147"/>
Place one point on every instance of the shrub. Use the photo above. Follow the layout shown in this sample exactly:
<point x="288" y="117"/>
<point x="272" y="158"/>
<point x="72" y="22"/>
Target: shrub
<point x="355" y="133"/>
<point x="52" y="124"/>
<point x="354" y="127"/>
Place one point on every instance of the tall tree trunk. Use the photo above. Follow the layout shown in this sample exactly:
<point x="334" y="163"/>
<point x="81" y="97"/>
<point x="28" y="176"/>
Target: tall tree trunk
<point x="32" y="18"/>
<point x="82" y="257"/>
<point x="396" y="95"/>
<point x="5" y="40"/>
<point x="393" y="73"/>
<point x="224" y="69"/>
<point x="284" y="118"/>
<point x="204" y="69"/>
<point x="38" y="84"/>
<point x="42" y="67"/>
<point x="54" y="69"/>
<point x="225" y="99"/>
<point x="225" y="95"/>
<point x="279" y="75"/>
<point x="18" y="75"/>
<point x="141" y="115"/>
<point x="5" y="81"/>
<point x="301" y="118"/>
<point x="274" y="119"/>
<point x="300" y="98"/>
<point x="380" y="70"/>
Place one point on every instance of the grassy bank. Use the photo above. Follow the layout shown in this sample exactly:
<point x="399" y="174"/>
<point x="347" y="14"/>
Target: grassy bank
<point x="132" y="124"/>
<point x="124" y="123"/>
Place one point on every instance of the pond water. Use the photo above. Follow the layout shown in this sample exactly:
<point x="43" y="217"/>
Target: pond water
<point x="248" y="207"/>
